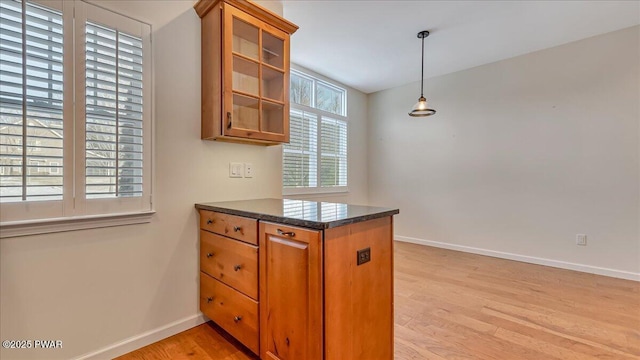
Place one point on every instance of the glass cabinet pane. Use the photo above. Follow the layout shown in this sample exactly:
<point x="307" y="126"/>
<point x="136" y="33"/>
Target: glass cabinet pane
<point x="272" y="50"/>
<point x="245" y="76"/>
<point x="245" y="112"/>
<point x="272" y="84"/>
<point x="245" y="39"/>
<point x="272" y="117"/>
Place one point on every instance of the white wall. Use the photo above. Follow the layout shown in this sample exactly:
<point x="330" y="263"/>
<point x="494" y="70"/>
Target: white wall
<point x="97" y="288"/>
<point x="521" y="156"/>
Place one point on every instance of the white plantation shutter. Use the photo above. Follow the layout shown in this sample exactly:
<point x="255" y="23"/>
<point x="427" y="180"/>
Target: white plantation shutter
<point x="31" y="102"/>
<point x="300" y="155"/>
<point x="114" y="113"/>
<point x="315" y="160"/>
<point x="333" y="153"/>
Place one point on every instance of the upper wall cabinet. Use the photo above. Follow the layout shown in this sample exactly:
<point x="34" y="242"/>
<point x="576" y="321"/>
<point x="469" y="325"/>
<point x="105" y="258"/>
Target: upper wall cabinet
<point x="245" y="72"/>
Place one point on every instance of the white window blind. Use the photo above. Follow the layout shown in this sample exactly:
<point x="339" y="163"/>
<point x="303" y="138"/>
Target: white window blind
<point x="114" y="113"/>
<point x="31" y="102"/>
<point x="333" y="158"/>
<point x="300" y="155"/>
<point x="315" y="160"/>
<point x="75" y="112"/>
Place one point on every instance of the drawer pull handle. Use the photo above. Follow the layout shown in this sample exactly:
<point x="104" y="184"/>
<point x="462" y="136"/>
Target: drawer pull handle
<point x="209" y="221"/>
<point x="209" y="255"/>
<point x="237" y="267"/>
<point x="286" y="233"/>
<point x="209" y="299"/>
<point x="237" y="228"/>
<point x="237" y="318"/>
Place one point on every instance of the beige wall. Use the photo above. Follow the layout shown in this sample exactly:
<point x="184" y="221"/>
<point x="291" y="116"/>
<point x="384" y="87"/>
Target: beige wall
<point x="96" y="288"/>
<point x="522" y="155"/>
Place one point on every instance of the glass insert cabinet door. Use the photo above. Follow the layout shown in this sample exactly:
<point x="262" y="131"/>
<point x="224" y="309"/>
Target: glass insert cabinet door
<point x="256" y="78"/>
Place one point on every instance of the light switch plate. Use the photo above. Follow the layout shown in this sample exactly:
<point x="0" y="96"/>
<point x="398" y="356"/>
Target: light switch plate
<point x="236" y="170"/>
<point x="248" y="170"/>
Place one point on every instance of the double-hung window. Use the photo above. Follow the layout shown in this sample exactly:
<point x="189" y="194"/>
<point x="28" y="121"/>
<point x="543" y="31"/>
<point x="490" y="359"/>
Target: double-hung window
<point x="315" y="160"/>
<point x="75" y="112"/>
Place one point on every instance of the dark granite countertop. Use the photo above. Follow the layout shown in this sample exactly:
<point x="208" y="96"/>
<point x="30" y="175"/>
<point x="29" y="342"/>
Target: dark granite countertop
<point x="304" y="213"/>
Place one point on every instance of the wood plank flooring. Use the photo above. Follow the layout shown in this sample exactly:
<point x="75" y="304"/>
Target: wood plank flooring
<point x="454" y="305"/>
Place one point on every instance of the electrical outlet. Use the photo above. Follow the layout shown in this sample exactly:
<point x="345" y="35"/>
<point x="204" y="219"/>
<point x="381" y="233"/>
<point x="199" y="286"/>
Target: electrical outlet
<point x="581" y="239"/>
<point x="364" y="256"/>
<point x="248" y="170"/>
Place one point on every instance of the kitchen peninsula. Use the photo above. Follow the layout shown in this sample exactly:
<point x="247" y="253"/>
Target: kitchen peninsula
<point x="297" y="279"/>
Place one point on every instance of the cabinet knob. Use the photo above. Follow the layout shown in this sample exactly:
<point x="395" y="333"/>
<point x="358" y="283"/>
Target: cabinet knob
<point x="209" y="221"/>
<point x="209" y="255"/>
<point x="237" y="318"/>
<point x="228" y="120"/>
<point x="237" y="228"/>
<point x="237" y="267"/>
<point x="286" y="233"/>
<point x="209" y="299"/>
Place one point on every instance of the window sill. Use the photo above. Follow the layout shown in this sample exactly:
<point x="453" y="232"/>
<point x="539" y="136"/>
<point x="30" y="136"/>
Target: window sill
<point x="315" y="191"/>
<point x="46" y="226"/>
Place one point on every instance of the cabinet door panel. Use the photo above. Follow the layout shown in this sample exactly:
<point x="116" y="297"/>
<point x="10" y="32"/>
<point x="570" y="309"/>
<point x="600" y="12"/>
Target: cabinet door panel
<point x="245" y="37"/>
<point x="290" y="293"/>
<point x="273" y="49"/>
<point x="272" y="117"/>
<point x="245" y="76"/>
<point x="246" y="114"/>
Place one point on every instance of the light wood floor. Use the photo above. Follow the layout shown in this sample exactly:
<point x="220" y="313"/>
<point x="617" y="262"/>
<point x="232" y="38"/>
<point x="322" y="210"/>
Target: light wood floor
<point x="453" y="305"/>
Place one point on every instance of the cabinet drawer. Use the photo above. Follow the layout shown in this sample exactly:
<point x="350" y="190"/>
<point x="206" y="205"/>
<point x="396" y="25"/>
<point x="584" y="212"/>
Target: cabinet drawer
<point x="233" y="311"/>
<point x="232" y="262"/>
<point x="237" y="227"/>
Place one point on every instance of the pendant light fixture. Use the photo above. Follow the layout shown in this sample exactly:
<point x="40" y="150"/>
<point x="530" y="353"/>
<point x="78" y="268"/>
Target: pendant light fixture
<point x="420" y="108"/>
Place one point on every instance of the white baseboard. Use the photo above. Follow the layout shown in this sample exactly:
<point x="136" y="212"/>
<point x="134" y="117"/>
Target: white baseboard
<point x="528" y="259"/>
<point x="136" y="342"/>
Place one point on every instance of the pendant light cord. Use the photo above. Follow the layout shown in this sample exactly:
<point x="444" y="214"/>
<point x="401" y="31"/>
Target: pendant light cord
<point x="422" y="72"/>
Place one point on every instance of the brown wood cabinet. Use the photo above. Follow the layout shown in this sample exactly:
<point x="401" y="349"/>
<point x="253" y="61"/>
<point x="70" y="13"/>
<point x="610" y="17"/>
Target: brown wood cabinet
<point x="229" y="275"/>
<point x="290" y="292"/>
<point x="245" y="72"/>
<point x="301" y="293"/>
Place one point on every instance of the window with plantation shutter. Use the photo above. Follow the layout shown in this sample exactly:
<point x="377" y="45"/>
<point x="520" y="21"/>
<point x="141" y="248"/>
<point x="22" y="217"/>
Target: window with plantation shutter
<point x="75" y="117"/>
<point x="315" y="160"/>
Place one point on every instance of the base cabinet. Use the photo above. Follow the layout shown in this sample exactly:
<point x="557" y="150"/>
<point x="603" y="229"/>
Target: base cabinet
<point x="290" y="292"/>
<point x="321" y="294"/>
<point x="358" y="299"/>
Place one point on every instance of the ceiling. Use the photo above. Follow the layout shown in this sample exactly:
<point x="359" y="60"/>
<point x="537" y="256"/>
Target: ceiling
<point x="372" y="45"/>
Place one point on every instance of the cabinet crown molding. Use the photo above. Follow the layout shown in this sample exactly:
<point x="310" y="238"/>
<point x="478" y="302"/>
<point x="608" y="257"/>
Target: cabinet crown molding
<point x="202" y="7"/>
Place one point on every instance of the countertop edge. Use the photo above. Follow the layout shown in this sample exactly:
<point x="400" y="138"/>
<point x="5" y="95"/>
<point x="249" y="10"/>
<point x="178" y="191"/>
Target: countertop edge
<point x="298" y="222"/>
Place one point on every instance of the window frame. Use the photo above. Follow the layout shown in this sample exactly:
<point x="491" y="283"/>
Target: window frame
<point x="74" y="211"/>
<point x="320" y="115"/>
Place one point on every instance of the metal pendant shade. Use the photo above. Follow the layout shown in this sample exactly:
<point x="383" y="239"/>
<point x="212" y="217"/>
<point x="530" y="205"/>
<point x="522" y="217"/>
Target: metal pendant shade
<point x="421" y="108"/>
